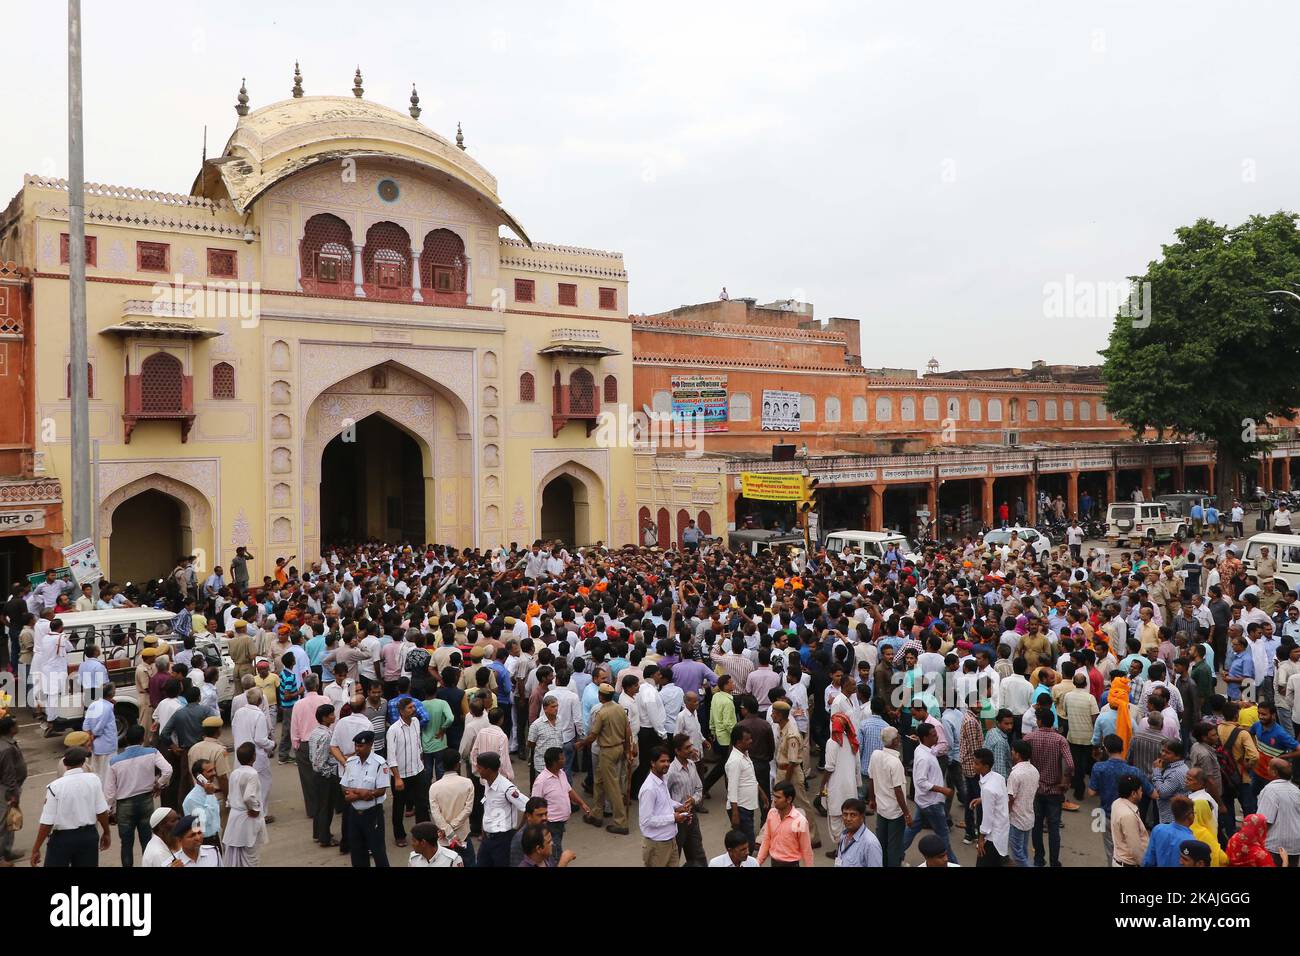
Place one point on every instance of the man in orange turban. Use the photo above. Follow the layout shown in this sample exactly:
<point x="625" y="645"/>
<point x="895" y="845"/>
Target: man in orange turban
<point x="1118" y="700"/>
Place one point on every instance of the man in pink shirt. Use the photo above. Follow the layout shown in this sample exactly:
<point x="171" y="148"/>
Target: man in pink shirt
<point x="302" y="722"/>
<point x="492" y="739"/>
<point x="786" y="838"/>
<point x="553" y="786"/>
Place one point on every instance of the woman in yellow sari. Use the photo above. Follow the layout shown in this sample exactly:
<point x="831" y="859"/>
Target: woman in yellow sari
<point x="1203" y="828"/>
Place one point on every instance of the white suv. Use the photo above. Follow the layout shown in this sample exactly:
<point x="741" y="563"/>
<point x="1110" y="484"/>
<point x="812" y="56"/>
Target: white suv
<point x="1147" y="521"/>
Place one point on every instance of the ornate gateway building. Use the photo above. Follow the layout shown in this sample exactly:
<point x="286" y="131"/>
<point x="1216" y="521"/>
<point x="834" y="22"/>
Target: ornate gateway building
<point x="327" y="339"/>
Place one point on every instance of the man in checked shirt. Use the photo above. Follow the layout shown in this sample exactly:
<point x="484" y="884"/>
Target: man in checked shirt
<point x="1050" y="755"/>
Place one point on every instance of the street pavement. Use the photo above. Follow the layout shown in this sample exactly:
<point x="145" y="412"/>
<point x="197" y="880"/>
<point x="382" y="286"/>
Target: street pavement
<point x="291" y="841"/>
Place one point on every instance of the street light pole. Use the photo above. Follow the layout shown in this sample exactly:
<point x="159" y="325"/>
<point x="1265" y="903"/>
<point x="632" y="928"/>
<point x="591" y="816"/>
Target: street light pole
<point x="81" y="478"/>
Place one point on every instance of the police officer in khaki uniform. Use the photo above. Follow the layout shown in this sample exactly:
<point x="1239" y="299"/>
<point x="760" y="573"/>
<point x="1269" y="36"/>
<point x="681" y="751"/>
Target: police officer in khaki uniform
<point x="790" y="752"/>
<point x="609" y="731"/>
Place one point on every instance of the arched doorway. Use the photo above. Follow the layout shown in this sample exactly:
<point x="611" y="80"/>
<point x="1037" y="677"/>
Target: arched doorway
<point x="150" y="530"/>
<point x="373" y="485"/>
<point x="559" y="510"/>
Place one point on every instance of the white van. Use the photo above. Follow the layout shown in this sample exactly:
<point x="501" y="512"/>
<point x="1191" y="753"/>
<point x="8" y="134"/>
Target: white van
<point x="1146" y="521"/>
<point x="1282" y="548"/>
<point x="870" y="544"/>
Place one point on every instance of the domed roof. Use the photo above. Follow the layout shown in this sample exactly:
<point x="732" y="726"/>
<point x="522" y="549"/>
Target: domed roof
<point x="276" y="141"/>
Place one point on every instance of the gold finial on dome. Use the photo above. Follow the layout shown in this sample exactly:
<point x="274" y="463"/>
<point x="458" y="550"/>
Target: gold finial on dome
<point x="415" y="103"/>
<point x="357" y="89"/>
<point x="241" y="107"/>
<point x="460" y="137"/>
<point x="297" y="81"/>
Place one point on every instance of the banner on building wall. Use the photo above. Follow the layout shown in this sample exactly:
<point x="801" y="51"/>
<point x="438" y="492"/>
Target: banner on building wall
<point x="702" y="398"/>
<point x="760" y="487"/>
<point x="780" y="411"/>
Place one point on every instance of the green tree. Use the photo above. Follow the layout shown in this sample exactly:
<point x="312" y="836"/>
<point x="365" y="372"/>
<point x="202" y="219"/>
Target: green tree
<point x="1212" y="354"/>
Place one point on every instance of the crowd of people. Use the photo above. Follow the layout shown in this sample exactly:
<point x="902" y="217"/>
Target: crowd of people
<point x="492" y="698"/>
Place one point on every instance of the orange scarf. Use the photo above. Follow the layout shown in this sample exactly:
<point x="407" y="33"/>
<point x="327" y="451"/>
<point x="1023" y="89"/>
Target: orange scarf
<point x="1118" y="700"/>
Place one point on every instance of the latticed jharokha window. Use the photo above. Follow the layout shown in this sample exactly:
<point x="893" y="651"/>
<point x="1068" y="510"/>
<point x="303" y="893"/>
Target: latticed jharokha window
<point x="90" y="381"/>
<point x="63" y="249"/>
<point x="327" y="250"/>
<point x="527" y="388"/>
<point x="387" y="256"/>
<point x="160" y="384"/>
<point x="221" y="263"/>
<point x="223" y="380"/>
<point x="609" y="298"/>
<point x="611" y="388"/>
<point x="568" y="293"/>
<point x="582" y="393"/>
<point x="525" y="290"/>
<point x="442" y="262"/>
<point x="152" y="256"/>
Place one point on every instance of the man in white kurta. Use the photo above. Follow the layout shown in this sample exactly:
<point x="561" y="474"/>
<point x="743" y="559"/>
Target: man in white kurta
<point x="843" y="765"/>
<point x="245" y="831"/>
<point x="250" y="725"/>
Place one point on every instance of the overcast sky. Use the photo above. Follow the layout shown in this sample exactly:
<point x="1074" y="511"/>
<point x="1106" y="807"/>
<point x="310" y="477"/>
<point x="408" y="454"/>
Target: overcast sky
<point x="929" y="168"/>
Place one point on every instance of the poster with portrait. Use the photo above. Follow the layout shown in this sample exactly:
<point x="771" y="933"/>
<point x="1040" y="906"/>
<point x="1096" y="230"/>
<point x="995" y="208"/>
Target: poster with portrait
<point x="701" y="399"/>
<point x="780" y="410"/>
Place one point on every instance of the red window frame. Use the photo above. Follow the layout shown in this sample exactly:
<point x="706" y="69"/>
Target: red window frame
<point x="568" y="293"/>
<point x="525" y="290"/>
<point x="609" y="298"/>
<point x="143" y="248"/>
<point x="223" y="264"/>
<point x="64" y="255"/>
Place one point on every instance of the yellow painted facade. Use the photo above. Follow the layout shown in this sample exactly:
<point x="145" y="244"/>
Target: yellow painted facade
<point x="309" y="367"/>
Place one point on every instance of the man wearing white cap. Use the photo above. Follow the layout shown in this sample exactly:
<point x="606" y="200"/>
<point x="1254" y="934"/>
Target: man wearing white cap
<point x="162" y="844"/>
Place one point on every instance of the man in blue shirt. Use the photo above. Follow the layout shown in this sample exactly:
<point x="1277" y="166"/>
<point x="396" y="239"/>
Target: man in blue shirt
<point x="1273" y="741"/>
<point x="1167" y="838"/>
<point x="1103" y="782"/>
<point x="858" y="846"/>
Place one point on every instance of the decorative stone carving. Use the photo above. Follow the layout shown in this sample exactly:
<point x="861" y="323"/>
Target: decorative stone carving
<point x="519" y="515"/>
<point x="240" y="533"/>
<point x="491" y="456"/>
<point x="490" y="397"/>
<point x="451" y="369"/>
<point x="281" y="531"/>
<point x="189" y="265"/>
<point x="117" y="260"/>
<point x="281" y="393"/>
<point x="280" y="355"/>
<point x="491" y="517"/>
<point x="192" y="499"/>
<point x="492" y="486"/>
<point x="491" y="427"/>
<point x="281" y="496"/>
<point x="281" y="427"/>
<point x="490" y="369"/>
<point x="281" y="461"/>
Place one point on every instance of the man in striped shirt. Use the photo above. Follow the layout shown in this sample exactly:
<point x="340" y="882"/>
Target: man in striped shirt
<point x="405" y="754"/>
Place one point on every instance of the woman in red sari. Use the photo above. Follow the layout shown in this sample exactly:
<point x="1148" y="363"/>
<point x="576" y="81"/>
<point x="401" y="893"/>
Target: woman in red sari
<point x="1246" y="848"/>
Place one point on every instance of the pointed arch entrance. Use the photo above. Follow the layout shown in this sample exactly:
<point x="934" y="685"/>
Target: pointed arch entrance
<point x="387" y="454"/>
<point x="373" y="484"/>
<point x="147" y="523"/>
<point x="571" y="505"/>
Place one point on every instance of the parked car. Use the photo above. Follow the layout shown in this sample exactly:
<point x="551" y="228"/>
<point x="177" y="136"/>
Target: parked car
<point x="870" y="544"/>
<point x="1146" y="521"/>
<point x="1180" y="504"/>
<point x="1033" y="538"/>
<point x="1282" y="548"/>
<point x="755" y="541"/>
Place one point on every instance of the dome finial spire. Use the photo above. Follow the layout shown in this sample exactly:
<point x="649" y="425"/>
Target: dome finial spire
<point x="241" y="107"/>
<point x="357" y="89"/>
<point x="415" y="103"/>
<point x="460" y="136"/>
<point x="297" y="81"/>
